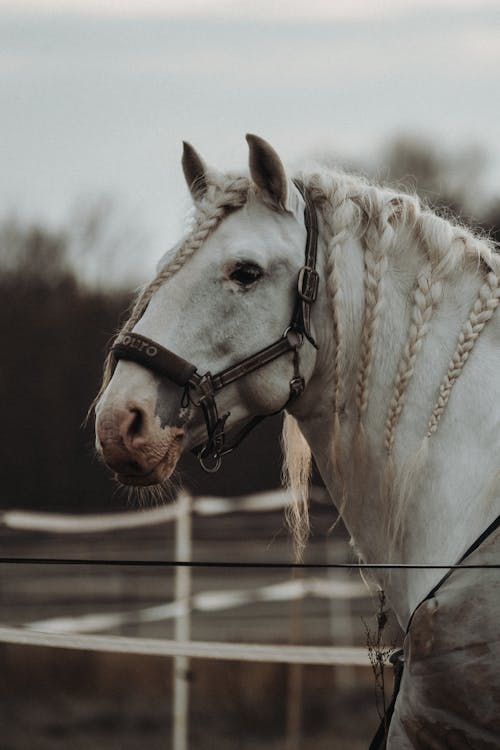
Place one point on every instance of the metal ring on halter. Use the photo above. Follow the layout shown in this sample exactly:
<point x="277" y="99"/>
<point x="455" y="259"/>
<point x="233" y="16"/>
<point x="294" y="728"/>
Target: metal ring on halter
<point x="288" y="334"/>
<point x="210" y="469"/>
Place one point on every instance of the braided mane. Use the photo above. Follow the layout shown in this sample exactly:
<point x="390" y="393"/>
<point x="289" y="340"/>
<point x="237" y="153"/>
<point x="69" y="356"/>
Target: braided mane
<point x="383" y="220"/>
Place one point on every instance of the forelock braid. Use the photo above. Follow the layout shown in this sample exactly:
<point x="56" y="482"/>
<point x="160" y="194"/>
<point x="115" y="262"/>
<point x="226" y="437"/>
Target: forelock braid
<point x="482" y="311"/>
<point x="218" y="201"/>
<point x="222" y="196"/>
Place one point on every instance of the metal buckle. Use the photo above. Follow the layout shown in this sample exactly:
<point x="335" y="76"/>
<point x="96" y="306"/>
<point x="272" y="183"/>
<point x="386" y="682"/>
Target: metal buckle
<point x="200" y="389"/>
<point x="307" y="284"/>
<point x="297" y="385"/>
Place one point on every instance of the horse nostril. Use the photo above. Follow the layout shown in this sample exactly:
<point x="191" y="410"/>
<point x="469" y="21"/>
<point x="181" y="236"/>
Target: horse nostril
<point x="136" y="423"/>
<point x="125" y="435"/>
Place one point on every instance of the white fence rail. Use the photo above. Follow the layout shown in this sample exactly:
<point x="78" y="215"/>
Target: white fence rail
<point x="98" y="523"/>
<point x="275" y="654"/>
<point x="205" y="601"/>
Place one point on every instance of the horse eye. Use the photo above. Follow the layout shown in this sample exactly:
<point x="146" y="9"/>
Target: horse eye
<point x="246" y="274"/>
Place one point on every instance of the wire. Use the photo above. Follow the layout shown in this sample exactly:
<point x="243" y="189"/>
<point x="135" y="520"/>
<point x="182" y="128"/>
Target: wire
<point x="237" y="565"/>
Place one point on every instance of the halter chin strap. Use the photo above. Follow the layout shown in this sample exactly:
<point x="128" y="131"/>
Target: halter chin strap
<point x="200" y="390"/>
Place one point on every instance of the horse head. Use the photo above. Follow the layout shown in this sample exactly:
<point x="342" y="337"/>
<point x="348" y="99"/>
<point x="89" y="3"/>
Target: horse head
<point x="222" y="294"/>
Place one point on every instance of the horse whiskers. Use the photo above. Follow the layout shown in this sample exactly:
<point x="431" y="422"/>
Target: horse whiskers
<point x="152" y="496"/>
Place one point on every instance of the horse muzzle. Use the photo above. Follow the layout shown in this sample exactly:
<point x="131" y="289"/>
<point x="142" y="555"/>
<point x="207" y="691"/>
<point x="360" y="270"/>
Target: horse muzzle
<point x="134" y="445"/>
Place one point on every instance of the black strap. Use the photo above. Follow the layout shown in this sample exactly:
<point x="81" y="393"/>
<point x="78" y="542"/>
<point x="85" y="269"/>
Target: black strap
<point x="153" y="356"/>
<point x="379" y="741"/>
<point x="308" y="280"/>
<point x="288" y="342"/>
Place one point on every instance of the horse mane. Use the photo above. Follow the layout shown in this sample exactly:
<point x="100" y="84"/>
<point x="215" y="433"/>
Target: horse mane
<point x="382" y="219"/>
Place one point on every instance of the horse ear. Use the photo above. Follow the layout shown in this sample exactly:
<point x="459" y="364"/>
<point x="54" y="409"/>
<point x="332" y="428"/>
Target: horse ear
<point x="195" y="171"/>
<point x="268" y="173"/>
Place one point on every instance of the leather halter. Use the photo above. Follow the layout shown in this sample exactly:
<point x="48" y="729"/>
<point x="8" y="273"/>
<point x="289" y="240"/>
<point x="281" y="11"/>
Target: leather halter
<point x="200" y="390"/>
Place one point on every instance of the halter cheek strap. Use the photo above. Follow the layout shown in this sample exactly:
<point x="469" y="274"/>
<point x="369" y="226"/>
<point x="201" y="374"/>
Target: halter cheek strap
<point x="200" y="390"/>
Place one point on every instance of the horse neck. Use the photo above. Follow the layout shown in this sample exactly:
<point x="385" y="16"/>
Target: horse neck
<point x="415" y="499"/>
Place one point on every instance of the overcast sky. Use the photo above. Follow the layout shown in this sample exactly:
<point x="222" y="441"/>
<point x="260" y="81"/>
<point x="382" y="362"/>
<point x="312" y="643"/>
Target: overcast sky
<point x="96" y="95"/>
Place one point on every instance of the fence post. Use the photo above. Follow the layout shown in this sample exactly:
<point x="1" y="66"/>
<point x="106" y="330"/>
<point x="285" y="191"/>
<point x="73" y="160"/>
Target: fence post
<point x="342" y="623"/>
<point x="295" y="674"/>
<point x="180" y="724"/>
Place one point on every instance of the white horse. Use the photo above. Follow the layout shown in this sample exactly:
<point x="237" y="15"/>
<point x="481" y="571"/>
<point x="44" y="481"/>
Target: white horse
<point x="400" y="405"/>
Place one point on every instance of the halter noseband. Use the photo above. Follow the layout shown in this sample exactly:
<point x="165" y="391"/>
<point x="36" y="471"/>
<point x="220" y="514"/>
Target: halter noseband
<point x="200" y="390"/>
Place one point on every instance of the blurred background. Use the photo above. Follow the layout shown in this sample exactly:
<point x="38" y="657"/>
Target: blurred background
<point x="96" y="97"/>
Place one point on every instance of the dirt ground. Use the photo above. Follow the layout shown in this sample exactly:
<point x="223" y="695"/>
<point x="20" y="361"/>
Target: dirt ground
<point x="108" y="724"/>
<point x="60" y="700"/>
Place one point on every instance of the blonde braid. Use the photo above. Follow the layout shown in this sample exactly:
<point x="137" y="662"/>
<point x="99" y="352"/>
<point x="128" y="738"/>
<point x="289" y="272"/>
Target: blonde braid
<point x="481" y="313"/>
<point x="375" y="261"/>
<point x="335" y="295"/>
<point x="211" y="210"/>
<point x="426" y="294"/>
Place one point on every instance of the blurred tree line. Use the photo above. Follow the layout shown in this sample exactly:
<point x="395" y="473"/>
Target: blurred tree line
<point x="54" y="330"/>
<point x="449" y="182"/>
